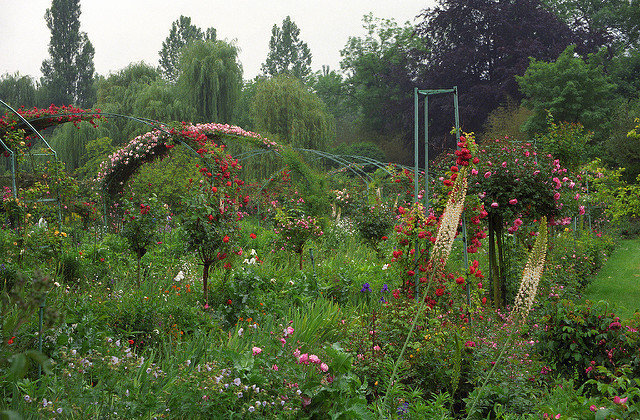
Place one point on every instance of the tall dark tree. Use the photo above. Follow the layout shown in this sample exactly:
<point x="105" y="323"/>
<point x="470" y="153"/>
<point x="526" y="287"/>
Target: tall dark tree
<point x="182" y="32"/>
<point x="608" y="23"/>
<point x="287" y="53"/>
<point x="480" y="46"/>
<point x="68" y="72"/>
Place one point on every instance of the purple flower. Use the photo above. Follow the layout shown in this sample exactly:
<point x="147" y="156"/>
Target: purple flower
<point x="365" y="288"/>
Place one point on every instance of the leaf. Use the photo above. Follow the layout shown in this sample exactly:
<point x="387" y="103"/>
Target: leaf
<point x="18" y="365"/>
<point x="41" y="359"/>
<point x="9" y="415"/>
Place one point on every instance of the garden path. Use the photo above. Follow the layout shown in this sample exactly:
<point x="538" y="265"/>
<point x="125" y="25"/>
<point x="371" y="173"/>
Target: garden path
<point x="619" y="279"/>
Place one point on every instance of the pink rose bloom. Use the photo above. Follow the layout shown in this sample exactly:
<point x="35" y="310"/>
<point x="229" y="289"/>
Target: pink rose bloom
<point x="581" y="210"/>
<point x="494" y="205"/>
<point x="304" y="358"/>
<point x="314" y="359"/>
<point x="474" y="171"/>
<point x="296" y="353"/>
<point x="517" y="222"/>
<point x="275" y="367"/>
<point x="504" y="164"/>
<point x="256" y="351"/>
<point x="593" y="408"/>
<point x="487" y="174"/>
<point x="513" y="201"/>
<point x="376" y="348"/>
<point x="324" y="367"/>
<point x="556" y="196"/>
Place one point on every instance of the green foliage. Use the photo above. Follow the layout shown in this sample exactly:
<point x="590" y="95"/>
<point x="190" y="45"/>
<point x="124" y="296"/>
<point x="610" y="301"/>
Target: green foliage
<point x="378" y="72"/>
<point x="285" y="107"/>
<point x="566" y="142"/>
<point x="121" y="93"/>
<point x="168" y="178"/>
<point x="365" y="149"/>
<point x="140" y="225"/>
<point x="619" y="199"/>
<point x="577" y="337"/>
<point x="70" y="143"/>
<point x="211" y="80"/>
<point x="17" y="90"/>
<point x="96" y="151"/>
<point x="374" y="223"/>
<point x="605" y="23"/>
<point x="68" y="72"/>
<point x="287" y="53"/>
<point x="571" y="89"/>
<point x="506" y="121"/>
<point x="182" y="32"/>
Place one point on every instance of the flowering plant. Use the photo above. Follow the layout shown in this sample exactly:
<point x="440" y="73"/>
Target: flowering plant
<point x="212" y="210"/>
<point x="140" y="225"/>
<point x="295" y="229"/>
<point x="123" y="163"/>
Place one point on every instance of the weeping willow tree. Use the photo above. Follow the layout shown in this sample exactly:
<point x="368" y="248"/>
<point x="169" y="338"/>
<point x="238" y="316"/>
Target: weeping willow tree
<point x="284" y="106"/>
<point x="211" y="80"/>
<point x="70" y="143"/>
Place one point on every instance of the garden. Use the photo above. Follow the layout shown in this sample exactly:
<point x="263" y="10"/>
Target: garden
<point x="179" y="283"/>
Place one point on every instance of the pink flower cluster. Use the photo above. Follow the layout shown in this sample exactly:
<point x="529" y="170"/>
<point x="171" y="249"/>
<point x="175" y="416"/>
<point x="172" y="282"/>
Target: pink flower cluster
<point x="146" y="144"/>
<point x="305" y="359"/>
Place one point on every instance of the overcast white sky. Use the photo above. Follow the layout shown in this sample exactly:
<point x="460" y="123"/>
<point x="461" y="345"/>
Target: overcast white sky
<point x="123" y="32"/>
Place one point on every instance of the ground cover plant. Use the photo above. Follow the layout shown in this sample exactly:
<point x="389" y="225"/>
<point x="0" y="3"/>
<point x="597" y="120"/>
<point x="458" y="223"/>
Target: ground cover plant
<point x="310" y="294"/>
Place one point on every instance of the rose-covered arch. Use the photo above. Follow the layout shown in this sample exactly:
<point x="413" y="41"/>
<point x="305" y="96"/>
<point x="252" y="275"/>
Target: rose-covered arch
<point x="205" y="139"/>
<point x="21" y="141"/>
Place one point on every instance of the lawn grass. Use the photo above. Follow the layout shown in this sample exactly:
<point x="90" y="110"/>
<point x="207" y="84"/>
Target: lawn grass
<point x="619" y="280"/>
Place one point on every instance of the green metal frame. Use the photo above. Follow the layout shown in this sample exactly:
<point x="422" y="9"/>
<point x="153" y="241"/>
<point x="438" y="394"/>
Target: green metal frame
<point x="417" y="93"/>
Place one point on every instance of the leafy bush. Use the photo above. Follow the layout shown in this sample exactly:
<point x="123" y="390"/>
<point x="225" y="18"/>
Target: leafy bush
<point x="577" y="337"/>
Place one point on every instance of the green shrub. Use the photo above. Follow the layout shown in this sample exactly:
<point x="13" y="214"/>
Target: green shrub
<point x="577" y="337"/>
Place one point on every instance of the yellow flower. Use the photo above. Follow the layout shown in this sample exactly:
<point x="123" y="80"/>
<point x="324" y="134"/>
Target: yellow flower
<point x="63" y="234"/>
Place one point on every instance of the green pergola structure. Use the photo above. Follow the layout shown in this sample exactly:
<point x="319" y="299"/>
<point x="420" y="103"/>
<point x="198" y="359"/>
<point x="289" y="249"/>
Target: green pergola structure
<point x="425" y="94"/>
<point x="48" y="152"/>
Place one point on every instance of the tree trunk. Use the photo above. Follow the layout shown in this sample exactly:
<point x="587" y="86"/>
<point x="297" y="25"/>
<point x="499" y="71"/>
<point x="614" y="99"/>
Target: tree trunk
<point x="494" y="269"/>
<point x="501" y="264"/>
<point x="301" y="252"/>
<point x="205" y="279"/>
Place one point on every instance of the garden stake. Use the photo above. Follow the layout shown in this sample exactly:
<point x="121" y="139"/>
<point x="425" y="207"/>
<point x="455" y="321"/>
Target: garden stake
<point x="40" y="316"/>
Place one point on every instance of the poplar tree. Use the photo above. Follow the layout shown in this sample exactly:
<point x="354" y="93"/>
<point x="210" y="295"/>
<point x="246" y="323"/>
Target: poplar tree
<point x="287" y="53"/>
<point x="182" y="33"/>
<point x="68" y="72"/>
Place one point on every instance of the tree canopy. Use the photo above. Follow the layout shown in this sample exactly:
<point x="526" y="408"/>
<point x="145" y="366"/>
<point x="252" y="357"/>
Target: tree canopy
<point x="182" y="32"/>
<point x="211" y="80"/>
<point x="569" y="88"/>
<point x="379" y="74"/>
<point x="285" y="107"/>
<point x="480" y="46"/>
<point x="288" y="54"/>
<point x="68" y="72"/>
<point x="17" y="90"/>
